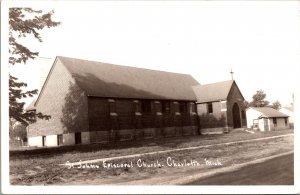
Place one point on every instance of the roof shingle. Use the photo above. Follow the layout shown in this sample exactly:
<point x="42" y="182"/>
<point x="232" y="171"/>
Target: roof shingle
<point x="270" y="112"/>
<point x="212" y="92"/>
<point x="107" y="80"/>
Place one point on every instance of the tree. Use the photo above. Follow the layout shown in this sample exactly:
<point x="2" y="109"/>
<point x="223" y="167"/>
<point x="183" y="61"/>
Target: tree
<point x="276" y="105"/>
<point x="18" y="130"/>
<point x="24" y="22"/>
<point x="258" y="99"/>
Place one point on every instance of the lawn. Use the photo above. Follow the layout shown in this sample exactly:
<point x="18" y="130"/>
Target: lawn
<point x="36" y="167"/>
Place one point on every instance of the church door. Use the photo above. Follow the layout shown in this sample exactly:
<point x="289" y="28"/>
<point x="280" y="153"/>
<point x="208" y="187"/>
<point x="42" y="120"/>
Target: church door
<point x="236" y="117"/>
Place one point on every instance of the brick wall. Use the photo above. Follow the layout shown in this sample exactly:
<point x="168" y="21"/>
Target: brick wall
<point x="125" y="112"/>
<point x="60" y="99"/>
<point x="106" y="114"/>
<point x="99" y="115"/>
<point x="235" y="96"/>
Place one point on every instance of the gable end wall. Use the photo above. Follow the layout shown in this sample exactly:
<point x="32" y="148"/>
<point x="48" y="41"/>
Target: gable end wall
<point x="59" y="98"/>
<point x="235" y="96"/>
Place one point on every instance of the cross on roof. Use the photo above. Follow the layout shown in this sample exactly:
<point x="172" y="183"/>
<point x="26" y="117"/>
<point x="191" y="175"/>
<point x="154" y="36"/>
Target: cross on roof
<point x="231" y="74"/>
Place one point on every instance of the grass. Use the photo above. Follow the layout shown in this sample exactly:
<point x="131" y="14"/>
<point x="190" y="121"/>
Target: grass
<point x="92" y="151"/>
<point x="42" y="168"/>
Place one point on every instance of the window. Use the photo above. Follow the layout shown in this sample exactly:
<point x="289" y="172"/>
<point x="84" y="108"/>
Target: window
<point x="209" y="108"/>
<point x="166" y="107"/>
<point x="112" y="106"/>
<point x="157" y="105"/>
<point x="59" y="139"/>
<point x="182" y="107"/>
<point x="286" y="121"/>
<point x="193" y="107"/>
<point x="146" y="106"/>
<point x="136" y="106"/>
<point x="223" y="106"/>
<point x="274" y="121"/>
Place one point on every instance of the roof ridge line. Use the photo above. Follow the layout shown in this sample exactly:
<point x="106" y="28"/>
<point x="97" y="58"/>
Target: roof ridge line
<point x="125" y="66"/>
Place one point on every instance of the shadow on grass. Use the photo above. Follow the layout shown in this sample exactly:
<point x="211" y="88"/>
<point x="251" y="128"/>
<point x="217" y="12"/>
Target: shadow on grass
<point x="167" y="143"/>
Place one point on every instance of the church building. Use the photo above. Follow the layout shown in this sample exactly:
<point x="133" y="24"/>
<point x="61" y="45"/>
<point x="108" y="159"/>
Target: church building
<point x="94" y="102"/>
<point x="91" y="102"/>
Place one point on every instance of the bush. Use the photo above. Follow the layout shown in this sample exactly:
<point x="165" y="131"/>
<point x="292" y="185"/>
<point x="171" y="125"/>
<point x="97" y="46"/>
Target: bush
<point x="210" y="121"/>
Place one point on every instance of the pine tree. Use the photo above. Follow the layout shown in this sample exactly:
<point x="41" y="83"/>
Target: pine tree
<point x="22" y="23"/>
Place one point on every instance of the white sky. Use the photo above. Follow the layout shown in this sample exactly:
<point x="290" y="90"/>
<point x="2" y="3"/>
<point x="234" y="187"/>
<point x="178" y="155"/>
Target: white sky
<point x="258" y="40"/>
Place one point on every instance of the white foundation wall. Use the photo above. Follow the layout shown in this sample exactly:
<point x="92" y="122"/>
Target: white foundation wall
<point x="69" y="139"/>
<point x="51" y="140"/>
<point x="35" y="141"/>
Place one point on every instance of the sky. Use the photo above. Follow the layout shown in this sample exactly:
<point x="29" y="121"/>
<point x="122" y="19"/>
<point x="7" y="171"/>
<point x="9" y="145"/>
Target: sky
<point x="258" y="40"/>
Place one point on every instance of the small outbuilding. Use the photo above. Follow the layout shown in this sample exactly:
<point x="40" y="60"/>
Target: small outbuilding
<point x="266" y="119"/>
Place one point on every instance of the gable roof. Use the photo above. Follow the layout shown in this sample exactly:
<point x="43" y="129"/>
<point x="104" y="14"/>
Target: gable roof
<point x="107" y="80"/>
<point x="213" y="92"/>
<point x="269" y="112"/>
